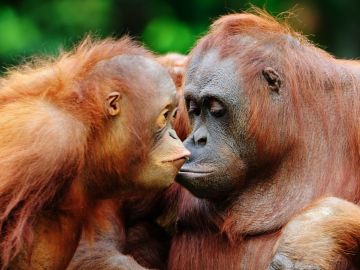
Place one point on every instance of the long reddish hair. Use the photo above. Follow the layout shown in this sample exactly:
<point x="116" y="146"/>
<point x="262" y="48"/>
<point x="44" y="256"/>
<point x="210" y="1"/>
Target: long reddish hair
<point x="311" y="128"/>
<point x="49" y="110"/>
<point x="320" y="116"/>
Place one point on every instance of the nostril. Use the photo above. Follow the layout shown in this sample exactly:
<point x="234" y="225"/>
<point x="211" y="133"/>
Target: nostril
<point x="200" y="136"/>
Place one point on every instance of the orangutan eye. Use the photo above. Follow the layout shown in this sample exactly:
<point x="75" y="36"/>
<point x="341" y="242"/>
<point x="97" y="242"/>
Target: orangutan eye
<point x="162" y="119"/>
<point x="216" y="109"/>
<point x="193" y="108"/>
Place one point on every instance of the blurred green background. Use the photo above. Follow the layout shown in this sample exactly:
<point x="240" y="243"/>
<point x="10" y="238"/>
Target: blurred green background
<point x="45" y="26"/>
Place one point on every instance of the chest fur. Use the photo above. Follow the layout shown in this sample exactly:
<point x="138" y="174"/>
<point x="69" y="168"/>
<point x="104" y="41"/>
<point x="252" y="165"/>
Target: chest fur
<point x="195" y="251"/>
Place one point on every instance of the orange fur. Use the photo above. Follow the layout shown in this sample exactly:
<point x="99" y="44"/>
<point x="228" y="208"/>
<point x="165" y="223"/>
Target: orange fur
<point x="51" y="113"/>
<point x="323" y="235"/>
<point x="312" y="145"/>
<point x="127" y="232"/>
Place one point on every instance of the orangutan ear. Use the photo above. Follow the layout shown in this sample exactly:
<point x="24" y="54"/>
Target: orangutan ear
<point x="273" y="79"/>
<point x="113" y="103"/>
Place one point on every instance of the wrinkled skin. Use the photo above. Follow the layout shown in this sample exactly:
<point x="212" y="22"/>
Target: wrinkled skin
<point x="267" y="129"/>
<point x="262" y="145"/>
<point x="216" y="165"/>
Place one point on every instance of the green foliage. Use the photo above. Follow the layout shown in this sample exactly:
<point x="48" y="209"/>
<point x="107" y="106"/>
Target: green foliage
<point x="78" y="16"/>
<point x="17" y="34"/>
<point x="38" y="26"/>
<point x="165" y="34"/>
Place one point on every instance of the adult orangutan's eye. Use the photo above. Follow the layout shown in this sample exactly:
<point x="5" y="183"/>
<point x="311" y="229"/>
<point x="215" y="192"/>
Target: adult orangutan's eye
<point x="193" y="108"/>
<point x="216" y="108"/>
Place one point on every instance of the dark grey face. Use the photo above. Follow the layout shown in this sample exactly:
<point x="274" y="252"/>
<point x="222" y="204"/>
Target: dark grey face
<point x="218" y="110"/>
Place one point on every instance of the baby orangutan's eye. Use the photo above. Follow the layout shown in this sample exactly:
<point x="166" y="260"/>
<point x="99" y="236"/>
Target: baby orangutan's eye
<point x="174" y="114"/>
<point x="162" y="119"/>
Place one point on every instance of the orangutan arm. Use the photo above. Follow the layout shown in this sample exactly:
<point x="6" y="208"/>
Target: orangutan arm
<point x="324" y="236"/>
<point x="139" y="244"/>
<point x="103" y="253"/>
<point x="103" y="241"/>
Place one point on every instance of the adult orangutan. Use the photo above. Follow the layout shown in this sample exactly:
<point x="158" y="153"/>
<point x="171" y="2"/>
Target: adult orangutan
<point x="274" y="127"/>
<point x="93" y="124"/>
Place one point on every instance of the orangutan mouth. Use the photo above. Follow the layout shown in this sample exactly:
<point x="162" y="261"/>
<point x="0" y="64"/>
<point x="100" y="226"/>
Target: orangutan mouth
<point x="184" y="170"/>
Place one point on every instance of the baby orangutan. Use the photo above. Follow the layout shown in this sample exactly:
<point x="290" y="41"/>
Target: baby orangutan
<point x="131" y="225"/>
<point x="93" y="124"/>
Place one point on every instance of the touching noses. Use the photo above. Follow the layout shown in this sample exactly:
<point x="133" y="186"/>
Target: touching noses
<point x="200" y="136"/>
